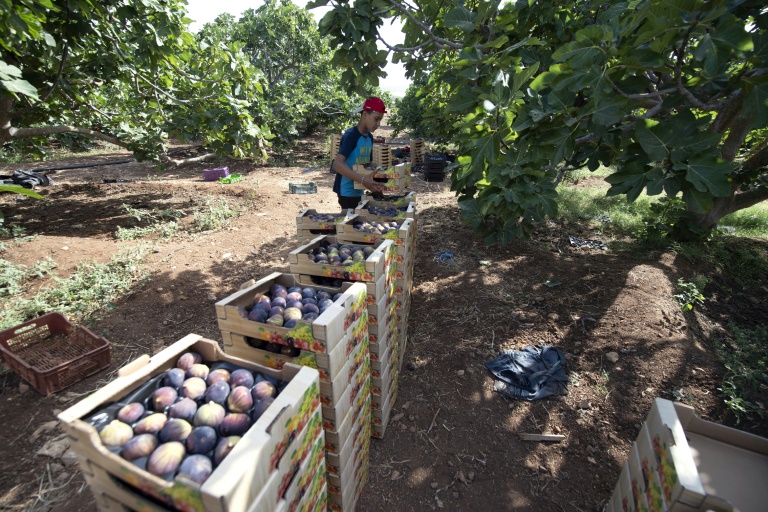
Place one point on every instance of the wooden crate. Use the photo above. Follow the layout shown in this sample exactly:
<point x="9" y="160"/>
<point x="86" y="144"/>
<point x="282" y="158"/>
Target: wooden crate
<point x="379" y="172"/>
<point x="322" y="335"/>
<point x="370" y="270"/>
<point x="380" y="417"/>
<point x="418" y="150"/>
<point x="303" y="220"/>
<point x="335" y="439"/>
<point x="381" y="155"/>
<point x="350" y="452"/>
<point x="352" y="399"/>
<point x="329" y="365"/>
<point x="397" y="185"/>
<point x="391" y="200"/>
<point x="311" y="489"/>
<point x="381" y="385"/>
<point x="403" y="345"/>
<point x="351" y="494"/>
<point x="241" y="476"/>
<point x="345" y="232"/>
<point x="400" y="212"/>
<point x="331" y="392"/>
<point x="375" y="290"/>
<point x="347" y="486"/>
<point x="382" y="327"/>
<point x="380" y="347"/>
<point x="335" y="145"/>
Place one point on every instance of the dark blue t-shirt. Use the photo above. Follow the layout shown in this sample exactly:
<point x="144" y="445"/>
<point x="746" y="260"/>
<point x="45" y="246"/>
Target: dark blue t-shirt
<point x="356" y="148"/>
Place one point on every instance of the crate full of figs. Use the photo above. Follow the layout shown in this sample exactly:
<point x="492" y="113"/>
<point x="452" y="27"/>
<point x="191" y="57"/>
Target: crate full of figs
<point x="197" y="430"/>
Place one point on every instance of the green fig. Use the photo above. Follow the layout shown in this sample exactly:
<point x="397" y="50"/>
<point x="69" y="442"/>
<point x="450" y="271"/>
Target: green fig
<point x="166" y="458"/>
<point x="116" y="433"/>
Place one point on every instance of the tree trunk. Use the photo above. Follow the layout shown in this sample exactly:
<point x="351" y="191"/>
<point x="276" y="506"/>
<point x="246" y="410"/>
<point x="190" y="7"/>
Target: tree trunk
<point x="726" y="205"/>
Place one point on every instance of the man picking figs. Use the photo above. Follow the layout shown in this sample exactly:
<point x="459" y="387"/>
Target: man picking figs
<point x="355" y="149"/>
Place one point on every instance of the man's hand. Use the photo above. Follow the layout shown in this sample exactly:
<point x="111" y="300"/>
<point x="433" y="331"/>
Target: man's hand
<point x="371" y="184"/>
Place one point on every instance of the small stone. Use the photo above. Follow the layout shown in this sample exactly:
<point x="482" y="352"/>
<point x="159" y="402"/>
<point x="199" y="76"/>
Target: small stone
<point x="576" y="441"/>
<point x="55" y="448"/>
<point x="411" y="417"/>
<point x="413" y="428"/>
<point x="65" y="248"/>
<point x="450" y="464"/>
<point x="461" y="477"/>
<point x="434" y="485"/>
<point x="395" y="475"/>
<point x="557" y="429"/>
<point x="590" y="449"/>
<point x="590" y="459"/>
<point x="754" y="300"/>
<point x="398" y="416"/>
<point x="471" y="475"/>
<point x="585" y="404"/>
<point x="403" y="426"/>
<point x="23" y="387"/>
<point x="226" y="255"/>
<point x="406" y="405"/>
<point x="613" y="357"/>
<point x="159" y="290"/>
<point x="76" y="226"/>
<point x="211" y="297"/>
<point x="455" y="494"/>
<point x="460" y="373"/>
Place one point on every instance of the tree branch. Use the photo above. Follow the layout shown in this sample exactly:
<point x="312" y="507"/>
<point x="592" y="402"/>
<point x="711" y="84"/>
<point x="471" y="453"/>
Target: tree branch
<point x="176" y="163"/>
<point x="49" y="130"/>
<point x="441" y="43"/>
<point x="736" y="137"/>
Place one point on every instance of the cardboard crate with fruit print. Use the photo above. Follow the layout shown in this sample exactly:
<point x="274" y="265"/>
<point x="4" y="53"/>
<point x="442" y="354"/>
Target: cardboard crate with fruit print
<point x="261" y="312"/>
<point x="106" y="430"/>
<point x="327" y="256"/>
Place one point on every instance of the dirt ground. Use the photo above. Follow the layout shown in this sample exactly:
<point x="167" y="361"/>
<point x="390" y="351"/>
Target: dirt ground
<point x="455" y="443"/>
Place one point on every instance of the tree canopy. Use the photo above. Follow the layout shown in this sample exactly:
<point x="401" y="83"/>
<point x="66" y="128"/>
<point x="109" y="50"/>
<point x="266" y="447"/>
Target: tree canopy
<point x="672" y="94"/>
<point x="126" y="72"/>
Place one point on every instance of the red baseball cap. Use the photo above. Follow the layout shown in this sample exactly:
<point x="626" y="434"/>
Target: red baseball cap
<point x="372" y="103"/>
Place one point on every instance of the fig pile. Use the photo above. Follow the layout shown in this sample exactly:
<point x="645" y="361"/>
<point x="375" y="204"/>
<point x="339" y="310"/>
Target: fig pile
<point x="379" y="228"/>
<point x="324" y="217"/>
<point x="284" y="307"/>
<point x="386" y="212"/>
<point x="340" y="254"/>
<point x="192" y="421"/>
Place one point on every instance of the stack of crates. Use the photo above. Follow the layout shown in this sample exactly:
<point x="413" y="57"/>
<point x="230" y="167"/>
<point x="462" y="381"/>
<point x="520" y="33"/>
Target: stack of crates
<point x="387" y="354"/>
<point x="395" y="178"/>
<point x="278" y="464"/>
<point x="310" y="223"/>
<point x="335" y="145"/>
<point x="417" y="151"/>
<point x="381" y="155"/>
<point x="348" y="438"/>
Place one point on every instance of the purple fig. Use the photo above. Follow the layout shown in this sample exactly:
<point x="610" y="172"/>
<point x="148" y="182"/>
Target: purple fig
<point x="294" y="289"/>
<point x="116" y="433"/>
<point x="166" y="458"/>
<point x="311" y="317"/>
<point x="240" y="400"/>
<point x="294" y="304"/>
<point x="235" y="424"/>
<point x="279" y="302"/>
<point x="174" y="378"/>
<point x="151" y="424"/>
<point x="201" y="440"/>
<point x="263" y="389"/>
<point x="175" y="429"/>
<point x="308" y="293"/>
<point x="217" y="375"/>
<point x="322" y="295"/>
<point x="223" y="448"/>
<point x="184" y="409"/>
<point x="198" y="370"/>
<point x="293" y="296"/>
<point x="188" y="359"/>
<point x="209" y="415"/>
<point x="130" y="413"/>
<point x="277" y="310"/>
<point x="290" y="324"/>
<point x="310" y="308"/>
<point x="260" y="299"/>
<point x="260" y="408"/>
<point x="163" y="397"/>
<point x="262" y="306"/>
<point x="139" y="446"/>
<point x="193" y="388"/>
<point x="309" y="301"/>
<point x="278" y="290"/>
<point x="258" y="315"/>
<point x="196" y="468"/>
<point x="218" y="393"/>
<point x="241" y="377"/>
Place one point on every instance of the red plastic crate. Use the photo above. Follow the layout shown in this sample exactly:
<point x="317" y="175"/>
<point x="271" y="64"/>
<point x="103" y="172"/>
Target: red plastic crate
<point x="51" y="353"/>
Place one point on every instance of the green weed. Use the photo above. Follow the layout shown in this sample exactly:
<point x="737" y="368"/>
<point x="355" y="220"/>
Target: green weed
<point x="91" y="289"/>
<point x="13" y="277"/>
<point x="590" y="207"/>
<point x="688" y="294"/>
<point x="215" y="214"/>
<point x="746" y="371"/>
<point x="162" y="223"/>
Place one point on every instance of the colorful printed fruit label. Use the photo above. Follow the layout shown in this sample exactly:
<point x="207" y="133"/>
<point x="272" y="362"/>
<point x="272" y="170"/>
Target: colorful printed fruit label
<point x="665" y="467"/>
<point x="295" y="424"/>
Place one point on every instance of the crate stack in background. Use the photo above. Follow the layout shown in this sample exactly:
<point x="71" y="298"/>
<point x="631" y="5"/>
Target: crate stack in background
<point x="381" y="155"/>
<point x="276" y="464"/>
<point x="335" y="145"/>
<point x="434" y="167"/>
<point x="417" y="151"/>
<point x="336" y="343"/>
<point x="310" y="223"/>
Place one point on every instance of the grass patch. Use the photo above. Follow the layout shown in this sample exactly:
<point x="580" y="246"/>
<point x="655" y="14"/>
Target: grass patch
<point x="162" y="223"/>
<point x="92" y="289"/>
<point x="592" y="208"/>
<point x="751" y="222"/>
<point x="746" y="371"/>
<point x="215" y="214"/>
<point x="13" y="278"/>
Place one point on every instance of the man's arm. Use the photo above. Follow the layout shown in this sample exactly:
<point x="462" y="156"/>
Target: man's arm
<point x="341" y="167"/>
